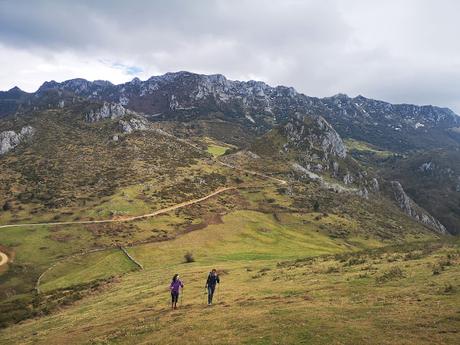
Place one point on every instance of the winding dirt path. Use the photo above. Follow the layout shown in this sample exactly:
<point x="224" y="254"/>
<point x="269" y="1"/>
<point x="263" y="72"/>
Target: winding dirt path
<point x="127" y="219"/>
<point x="3" y="259"/>
<point x="161" y="211"/>
<point x="254" y="173"/>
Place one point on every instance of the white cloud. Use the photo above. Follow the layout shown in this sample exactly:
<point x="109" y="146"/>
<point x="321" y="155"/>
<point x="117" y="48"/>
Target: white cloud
<point x="400" y="51"/>
<point x="29" y="71"/>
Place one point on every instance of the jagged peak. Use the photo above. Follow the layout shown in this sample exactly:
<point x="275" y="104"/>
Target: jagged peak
<point x="340" y="96"/>
<point x="76" y="80"/>
<point x="101" y="82"/>
<point x="135" y="80"/>
<point x="361" y="98"/>
<point x="48" y="85"/>
<point x="15" y="89"/>
<point x="73" y="83"/>
<point x="262" y="89"/>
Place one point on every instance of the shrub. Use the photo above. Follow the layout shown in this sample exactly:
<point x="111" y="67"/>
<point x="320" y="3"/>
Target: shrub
<point x="392" y="274"/>
<point x="449" y="288"/>
<point x="282" y="190"/>
<point x="332" y="269"/>
<point x="355" y="261"/>
<point x="189" y="257"/>
<point x="6" y="206"/>
<point x="238" y="180"/>
<point x="415" y="255"/>
<point x="440" y="265"/>
<point x="437" y="270"/>
<point x="316" y="206"/>
<point x="393" y="258"/>
<point x="444" y="262"/>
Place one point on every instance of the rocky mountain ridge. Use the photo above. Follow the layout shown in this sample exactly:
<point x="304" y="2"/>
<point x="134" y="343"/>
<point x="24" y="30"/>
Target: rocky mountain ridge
<point x="311" y="128"/>
<point x="415" y="211"/>
<point x="185" y="95"/>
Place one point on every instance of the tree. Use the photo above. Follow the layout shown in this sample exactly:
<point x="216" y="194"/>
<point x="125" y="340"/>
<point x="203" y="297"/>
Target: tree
<point x="316" y="206"/>
<point x="7" y="206"/>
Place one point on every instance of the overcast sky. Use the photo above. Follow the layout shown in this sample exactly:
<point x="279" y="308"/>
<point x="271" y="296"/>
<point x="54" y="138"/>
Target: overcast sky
<point x="395" y="50"/>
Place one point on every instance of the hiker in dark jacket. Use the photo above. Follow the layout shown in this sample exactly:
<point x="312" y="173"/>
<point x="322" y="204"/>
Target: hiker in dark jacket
<point x="176" y="285"/>
<point x="211" y="282"/>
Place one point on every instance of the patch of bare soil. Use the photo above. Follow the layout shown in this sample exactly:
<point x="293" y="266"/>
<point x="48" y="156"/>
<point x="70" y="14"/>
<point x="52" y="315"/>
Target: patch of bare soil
<point x="209" y="219"/>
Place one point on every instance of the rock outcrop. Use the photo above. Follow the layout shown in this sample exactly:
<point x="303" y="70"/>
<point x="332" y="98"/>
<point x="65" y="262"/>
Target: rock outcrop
<point x="415" y="211"/>
<point x="133" y="124"/>
<point x="314" y="134"/>
<point x="10" y="139"/>
<point x="107" y="111"/>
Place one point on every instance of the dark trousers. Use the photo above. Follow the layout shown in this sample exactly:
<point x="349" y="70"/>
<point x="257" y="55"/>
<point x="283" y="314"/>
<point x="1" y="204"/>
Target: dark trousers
<point x="211" y="289"/>
<point x="174" y="297"/>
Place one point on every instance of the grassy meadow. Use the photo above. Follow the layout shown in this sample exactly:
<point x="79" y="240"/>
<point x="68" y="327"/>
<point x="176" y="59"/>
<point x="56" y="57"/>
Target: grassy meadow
<point x="299" y="264"/>
<point x="282" y="283"/>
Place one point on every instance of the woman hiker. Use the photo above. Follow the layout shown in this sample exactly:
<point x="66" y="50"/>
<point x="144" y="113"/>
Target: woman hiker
<point x="211" y="282"/>
<point x="176" y="285"/>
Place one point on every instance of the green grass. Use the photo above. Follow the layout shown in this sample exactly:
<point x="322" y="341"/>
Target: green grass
<point x="216" y="150"/>
<point x="260" y="302"/>
<point x="243" y="235"/>
<point x="39" y="246"/>
<point x="86" y="268"/>
<point x="363" y="147"/>
<point x="261" y="225"/>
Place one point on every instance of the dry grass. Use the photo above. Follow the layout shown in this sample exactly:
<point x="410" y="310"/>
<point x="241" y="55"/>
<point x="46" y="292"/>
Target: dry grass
<point x="261" y="302"/>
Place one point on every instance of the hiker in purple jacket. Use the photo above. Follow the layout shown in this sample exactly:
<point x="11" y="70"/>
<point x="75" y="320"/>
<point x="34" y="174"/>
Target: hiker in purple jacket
<point x="176" y="285"/>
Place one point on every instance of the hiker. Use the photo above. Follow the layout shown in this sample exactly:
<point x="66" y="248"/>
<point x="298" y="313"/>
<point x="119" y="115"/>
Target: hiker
<point x="176" y="285"/>
<point x="211" y="282"/>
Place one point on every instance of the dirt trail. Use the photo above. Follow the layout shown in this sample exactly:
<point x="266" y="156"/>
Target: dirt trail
<point x="254" y="173"/>
<point x="164" y="210"/>
<point x="128" y="219"/>
<point x="3" y="259"/>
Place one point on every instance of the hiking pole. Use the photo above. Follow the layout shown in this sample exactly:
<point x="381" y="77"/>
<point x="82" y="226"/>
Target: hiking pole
<point x="206" y="295"/>
<point x="181" y="297"/>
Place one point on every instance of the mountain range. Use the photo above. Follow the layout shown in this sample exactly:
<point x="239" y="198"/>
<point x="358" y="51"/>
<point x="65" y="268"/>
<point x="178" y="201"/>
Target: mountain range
<point x="185" y="95"/>
<point x="105" y="188"/>
<point x="357" y="141"/>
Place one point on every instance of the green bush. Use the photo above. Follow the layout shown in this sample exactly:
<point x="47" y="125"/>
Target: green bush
<point x="189" y="257"/>
<point x="393" y="273"/>
<point x="316" y="206"/>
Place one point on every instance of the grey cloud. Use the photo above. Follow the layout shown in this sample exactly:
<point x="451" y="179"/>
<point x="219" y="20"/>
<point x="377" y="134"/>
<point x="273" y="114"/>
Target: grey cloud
<point x="400" y="51"/>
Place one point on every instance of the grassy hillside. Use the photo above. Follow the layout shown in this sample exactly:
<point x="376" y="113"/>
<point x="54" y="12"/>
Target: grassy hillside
<point x="72" y="165"/>
<point x="365" y="151"/>
<point x="269" y="294"/>
<point x="300" y="263"/>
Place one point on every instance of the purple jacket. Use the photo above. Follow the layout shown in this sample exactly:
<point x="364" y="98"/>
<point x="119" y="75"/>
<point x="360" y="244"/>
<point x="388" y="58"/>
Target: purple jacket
<point x="175" y="286"/>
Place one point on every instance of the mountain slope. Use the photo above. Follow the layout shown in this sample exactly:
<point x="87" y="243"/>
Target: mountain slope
<point x="87" y="151"/>
<point x="186" y="96"/>
<point x="432" y="178"/>
<point x="234" y="111"/>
